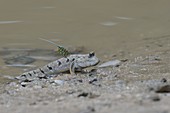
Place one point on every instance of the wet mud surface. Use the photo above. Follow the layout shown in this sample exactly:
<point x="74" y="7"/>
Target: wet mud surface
<point x="140" y="83"/>
<point x="130" y="37"/>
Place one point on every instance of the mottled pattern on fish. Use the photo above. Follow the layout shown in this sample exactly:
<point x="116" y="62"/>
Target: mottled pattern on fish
<point x="72" y="63"/>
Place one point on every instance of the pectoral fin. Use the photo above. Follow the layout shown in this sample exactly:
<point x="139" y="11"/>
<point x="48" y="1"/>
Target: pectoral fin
<point x="74" y="67"/>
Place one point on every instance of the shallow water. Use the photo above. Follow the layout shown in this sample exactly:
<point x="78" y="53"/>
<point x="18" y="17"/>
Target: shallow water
<point x="103" y="26"/>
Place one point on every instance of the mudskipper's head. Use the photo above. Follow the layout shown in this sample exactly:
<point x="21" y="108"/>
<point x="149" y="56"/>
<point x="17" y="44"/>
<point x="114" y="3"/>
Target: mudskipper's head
<point x="86" y="60"/>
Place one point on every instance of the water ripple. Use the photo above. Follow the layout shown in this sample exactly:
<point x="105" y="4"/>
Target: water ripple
<point x="9" y="22"/>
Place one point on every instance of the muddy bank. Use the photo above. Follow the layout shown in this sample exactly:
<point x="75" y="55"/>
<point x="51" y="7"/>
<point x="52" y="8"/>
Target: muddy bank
<point x="131" y="37"/>
<point x="140" y="83"/>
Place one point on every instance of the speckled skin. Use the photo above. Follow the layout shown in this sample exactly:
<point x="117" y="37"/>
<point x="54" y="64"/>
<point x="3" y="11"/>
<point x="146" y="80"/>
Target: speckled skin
<point x="71" y="63"/>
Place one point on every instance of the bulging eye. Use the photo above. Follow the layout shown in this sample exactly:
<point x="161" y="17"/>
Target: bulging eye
<point x="91" y="54"/>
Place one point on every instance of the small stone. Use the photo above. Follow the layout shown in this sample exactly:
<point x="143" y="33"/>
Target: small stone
<point x="154" y="97"/>
<point x="80" y="80"/>
<point x="163" y="89"/>
<point x="93" y="80"/>
<point x="89" y="95"/>
<point x="164" y="80"/>
<point x="84" y="94"/>
<point x="113" y="63"/>
<point x="59" y="82"/>
<point x="124" y="60"/>
<point x="23" y="84"/>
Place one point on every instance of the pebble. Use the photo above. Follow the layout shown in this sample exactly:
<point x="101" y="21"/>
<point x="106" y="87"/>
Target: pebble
<point x="155" y="98"/>
<point x="164" y="80"/>
<point x="163" y="89"/>
<point x="59" y="82"/>
<point x="24" y="83"/>
<point x="89" y="95"/>
<point x="83" y="94"/>
<point x="113" y="63"/>
<point x="93" y="80"/>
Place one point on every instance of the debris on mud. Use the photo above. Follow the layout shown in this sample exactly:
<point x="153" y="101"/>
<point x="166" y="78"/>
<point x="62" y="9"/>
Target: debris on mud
<point x="164" y="89"/>
<point x="113" y="63"/>
<point x="89" y="95"/>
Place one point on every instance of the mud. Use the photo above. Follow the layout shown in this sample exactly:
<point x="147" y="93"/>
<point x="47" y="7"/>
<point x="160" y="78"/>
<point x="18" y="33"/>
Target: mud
<point x="140" y="84"/>
<point x="136" y="33"/>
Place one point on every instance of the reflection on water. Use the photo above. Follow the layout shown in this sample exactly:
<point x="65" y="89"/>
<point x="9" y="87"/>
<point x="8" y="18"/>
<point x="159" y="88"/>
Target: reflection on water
<point x="124" y="18"/>
<point x="104" y="26"/>
<point x="109" y="23"/>
<point x="9" y="22"/>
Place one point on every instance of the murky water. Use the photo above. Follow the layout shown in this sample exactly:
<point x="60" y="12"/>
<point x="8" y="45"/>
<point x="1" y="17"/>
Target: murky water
<point x="104" y="26"/>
